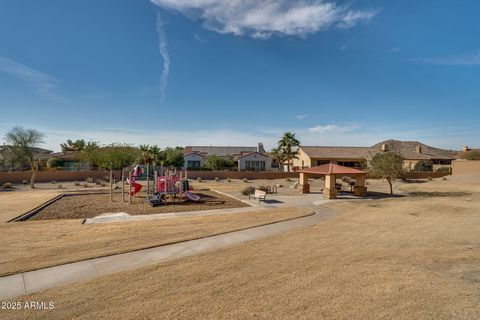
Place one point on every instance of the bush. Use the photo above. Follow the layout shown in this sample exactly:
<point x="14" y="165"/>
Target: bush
<point x="248" y="190"/>
<point x="59" y="186"/>
<point x="424" y="165"/>
<point x="53" y="182"/>
<point x="85" y="185"/>
<point x="54" y="163"/>
<point x="199" y="179"/>
<point x="217" y="179"/>
<point x="245" y="180"/>
<point x="472" y="155"/>
<point x="264" y="188"/>
<point x="89" y="180"/>
<point x="25" y="182"/>
<point x="7" y="185"/>
<point x="288" y="180"/>
<point x="430" y="179"/>
<point x="77" y="183"/>
<point x="229" y="180"/>
<point x="443" y="169"/>
<point x="444" y="179"/>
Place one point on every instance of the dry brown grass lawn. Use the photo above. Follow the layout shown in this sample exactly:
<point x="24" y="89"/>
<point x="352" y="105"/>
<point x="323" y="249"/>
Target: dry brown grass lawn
<point x="405" y="258"/>
<point x="15" y="203"/>
<point x="39" y="244"/>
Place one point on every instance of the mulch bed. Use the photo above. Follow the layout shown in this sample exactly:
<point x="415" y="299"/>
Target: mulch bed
<point x="82" y="206"/>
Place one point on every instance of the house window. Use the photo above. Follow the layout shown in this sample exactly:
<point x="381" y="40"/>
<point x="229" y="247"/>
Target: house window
<point x="193" y="163"/>
<point x="349" y="164"/>
<point x="255" y="165"/>
<point x="442" y="162"/>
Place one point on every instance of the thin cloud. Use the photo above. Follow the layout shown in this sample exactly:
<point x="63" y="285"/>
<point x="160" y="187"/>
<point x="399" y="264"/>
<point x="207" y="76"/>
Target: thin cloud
<point x="42" y="82"/>
<point x="162" y="48"/>
<point x="332" y="128"/>
<point x="262" y="19"/>
<point x="301" y="116"/>
<point x="470" y="59"/>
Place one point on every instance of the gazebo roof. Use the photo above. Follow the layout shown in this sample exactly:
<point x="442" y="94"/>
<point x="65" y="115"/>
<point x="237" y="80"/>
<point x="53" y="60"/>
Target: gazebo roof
<point x="331" y="168"/>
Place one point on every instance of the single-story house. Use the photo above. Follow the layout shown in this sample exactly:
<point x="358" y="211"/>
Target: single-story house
<point x="252" y="158"/>
<point x="358" y="157"/>
<point x="254" y="161"/>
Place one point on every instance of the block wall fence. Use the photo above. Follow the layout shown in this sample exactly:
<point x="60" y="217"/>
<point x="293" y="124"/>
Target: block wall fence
<point x="48" y="176"/>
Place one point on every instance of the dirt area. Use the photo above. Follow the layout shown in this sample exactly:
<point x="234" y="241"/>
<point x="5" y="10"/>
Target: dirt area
<point x="41" y="244"/>
<point x="81" y="206"/>
<point x="401" y="258"/>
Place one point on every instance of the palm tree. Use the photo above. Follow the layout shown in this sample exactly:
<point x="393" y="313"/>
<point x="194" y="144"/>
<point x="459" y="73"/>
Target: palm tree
<point x="289" y="146"/>
<point x="22" y="144"/>
<point x="278" y="156"/>
<point x="145" y="153"/>
<point x="155" y="154"/>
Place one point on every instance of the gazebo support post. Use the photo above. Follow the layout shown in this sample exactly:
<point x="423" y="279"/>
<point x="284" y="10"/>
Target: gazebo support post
<point x="304" y="182"/>
<point x="360" y="190"/>
<point x="330" y="190"/>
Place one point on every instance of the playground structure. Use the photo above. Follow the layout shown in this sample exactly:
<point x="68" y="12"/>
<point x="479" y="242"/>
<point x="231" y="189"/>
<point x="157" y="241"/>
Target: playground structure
<point x="161" y="185"/>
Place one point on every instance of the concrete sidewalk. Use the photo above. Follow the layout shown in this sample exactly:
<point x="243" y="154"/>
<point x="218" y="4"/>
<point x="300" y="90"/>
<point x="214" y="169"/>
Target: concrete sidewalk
<point x="35" y="281"/>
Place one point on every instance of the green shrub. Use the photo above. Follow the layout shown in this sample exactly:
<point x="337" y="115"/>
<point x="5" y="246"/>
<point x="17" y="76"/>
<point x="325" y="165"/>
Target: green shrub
<point x="89" y="180"/>
<point x="443" y="169"/>
<point x="7" y="185"/>
<point x="245" y="180"/>
<point x="424" y="165"/>
<point x="53" y="182"/>
<point x="217" y="179"/>
<point x="248" y="190"/>
<point x="54" y="163"/>
<point x="229" y="180"/>
<point x="85" y="185"/>
<point x="59" y="186"/>
<point x="77" y="183"/>
<point x="472" y="155"/>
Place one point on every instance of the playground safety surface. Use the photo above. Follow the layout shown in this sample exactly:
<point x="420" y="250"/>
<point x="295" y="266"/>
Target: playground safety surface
<point x="82" y="206"/>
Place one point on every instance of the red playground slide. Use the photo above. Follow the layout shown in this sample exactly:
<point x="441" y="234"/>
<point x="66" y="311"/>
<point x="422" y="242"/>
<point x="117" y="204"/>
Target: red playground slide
<point x="136" y="188"/>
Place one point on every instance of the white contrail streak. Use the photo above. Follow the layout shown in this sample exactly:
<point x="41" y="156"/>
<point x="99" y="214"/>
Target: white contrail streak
<point x="162" y="48"/>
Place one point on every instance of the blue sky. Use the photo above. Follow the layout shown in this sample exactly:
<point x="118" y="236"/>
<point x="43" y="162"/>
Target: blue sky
<point x="238" y="72"/>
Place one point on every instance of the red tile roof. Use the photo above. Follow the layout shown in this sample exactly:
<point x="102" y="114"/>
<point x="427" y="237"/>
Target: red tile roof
<point x="331" y="168"/>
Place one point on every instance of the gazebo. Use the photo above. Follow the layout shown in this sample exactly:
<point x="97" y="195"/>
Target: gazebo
<point x="331" y="171"/>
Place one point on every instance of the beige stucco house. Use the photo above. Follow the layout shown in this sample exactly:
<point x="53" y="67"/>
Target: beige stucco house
<point x="358" y="157"/>
<point x="251" y="158"/>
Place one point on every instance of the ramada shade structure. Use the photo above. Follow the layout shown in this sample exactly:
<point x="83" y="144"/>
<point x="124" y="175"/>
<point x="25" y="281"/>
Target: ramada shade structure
<point x="331" y="171"/>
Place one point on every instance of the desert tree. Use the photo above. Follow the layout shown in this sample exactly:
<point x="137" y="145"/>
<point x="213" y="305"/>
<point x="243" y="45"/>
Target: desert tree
<point x="472" y="155"/>
<point x="22" y="143"/>
<point x="387" y="165"/>
<point x="70" y="145"/>
<point x="289" y="145"/>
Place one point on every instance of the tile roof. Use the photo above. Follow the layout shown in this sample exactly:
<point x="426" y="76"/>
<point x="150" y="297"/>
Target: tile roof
<point x="331" y="168"/>
<point x="407" y="149"/>
<point x="338" y="152"/>
<point x="221" y="151"/>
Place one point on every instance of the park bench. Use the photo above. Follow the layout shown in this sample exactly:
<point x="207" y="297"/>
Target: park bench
<point x="259" y="194"/>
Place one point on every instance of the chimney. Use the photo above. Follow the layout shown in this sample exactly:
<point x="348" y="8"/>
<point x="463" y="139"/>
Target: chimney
<point x="260" y="148"/>
<point x="419" y="149"/>
<point x="384" y="147"/>
<point x="466" y="149"/>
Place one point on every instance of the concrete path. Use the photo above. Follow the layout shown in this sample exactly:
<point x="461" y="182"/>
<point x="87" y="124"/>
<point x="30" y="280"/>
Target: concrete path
<point x="35" y="281"/>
